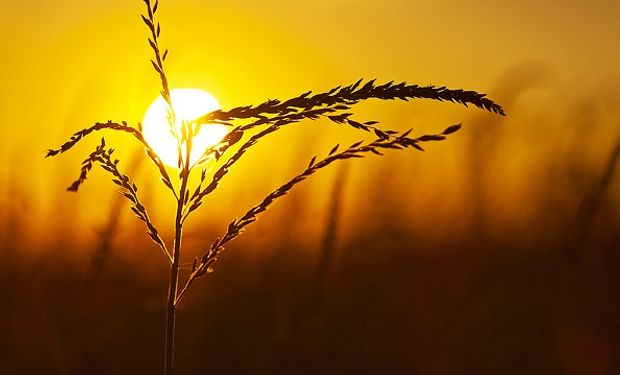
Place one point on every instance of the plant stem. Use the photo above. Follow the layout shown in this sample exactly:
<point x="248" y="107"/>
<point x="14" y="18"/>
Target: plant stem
<point x="174" y="277"/>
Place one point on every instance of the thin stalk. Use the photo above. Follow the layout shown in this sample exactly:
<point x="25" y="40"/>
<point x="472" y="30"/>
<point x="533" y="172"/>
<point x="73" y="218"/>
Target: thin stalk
<point x="172" y="290"/>
<point x="174" y="280"/>
<point x="186" y="136"/>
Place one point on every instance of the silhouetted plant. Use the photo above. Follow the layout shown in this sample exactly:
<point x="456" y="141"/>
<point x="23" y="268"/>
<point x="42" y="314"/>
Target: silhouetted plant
<point x="269" y="116"/>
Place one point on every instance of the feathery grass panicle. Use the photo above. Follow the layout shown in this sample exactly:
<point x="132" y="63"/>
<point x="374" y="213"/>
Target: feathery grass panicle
<point x="87" y="165"/>
<point x="353" y="94"/>
<point x="237" y="133"/>
<point x="129" y="190"/>
<point x="356" y="150"/>
<point x="79" y="135"/>
<point x="120" y="127"/>
<point x="199" y="195"/>
<point x="265" y="118"/>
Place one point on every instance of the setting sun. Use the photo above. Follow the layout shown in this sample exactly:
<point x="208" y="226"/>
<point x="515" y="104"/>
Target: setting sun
<point x="188" y="105"/>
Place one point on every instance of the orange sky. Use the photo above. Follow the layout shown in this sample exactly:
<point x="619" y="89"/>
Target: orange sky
<point x="66" y="64"/>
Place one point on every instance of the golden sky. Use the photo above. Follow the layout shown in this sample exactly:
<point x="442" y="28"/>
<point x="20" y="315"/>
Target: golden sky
<point x="66" y="64"/>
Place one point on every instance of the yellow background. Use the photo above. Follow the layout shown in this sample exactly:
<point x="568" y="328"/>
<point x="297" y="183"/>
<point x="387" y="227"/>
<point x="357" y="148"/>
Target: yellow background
<point x="67" y="64"/>
<point x="457" y="260"/>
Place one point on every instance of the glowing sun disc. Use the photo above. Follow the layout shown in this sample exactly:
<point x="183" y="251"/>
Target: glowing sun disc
<point x="188" y="104"/>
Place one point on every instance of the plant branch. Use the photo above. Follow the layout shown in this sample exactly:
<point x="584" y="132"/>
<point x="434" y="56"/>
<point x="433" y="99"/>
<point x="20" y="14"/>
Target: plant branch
<point x="121" y="127"/>
<point x="87" y="165"/>
<point x="79" y="135"/>
<point x="278" y="122"/>
<point x="353" y="94"/>
<point x="131" y="193"/>
<point x="356" y="150"/>
<point x="305" y="107"/>
<point x="130" y="190"/>
<point x="158" y="64"/>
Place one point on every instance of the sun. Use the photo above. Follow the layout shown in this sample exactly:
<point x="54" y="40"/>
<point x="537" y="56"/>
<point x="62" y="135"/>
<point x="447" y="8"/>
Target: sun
<point x="188" y="104"/>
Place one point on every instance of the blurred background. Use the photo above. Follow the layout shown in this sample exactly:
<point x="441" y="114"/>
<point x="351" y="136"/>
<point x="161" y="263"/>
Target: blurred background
<point x="493" y="252"/>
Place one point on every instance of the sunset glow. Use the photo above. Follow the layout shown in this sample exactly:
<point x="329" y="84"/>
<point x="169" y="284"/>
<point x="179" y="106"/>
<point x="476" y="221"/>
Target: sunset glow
<point x="188" y="105"/>
<point x="301" y="226"/>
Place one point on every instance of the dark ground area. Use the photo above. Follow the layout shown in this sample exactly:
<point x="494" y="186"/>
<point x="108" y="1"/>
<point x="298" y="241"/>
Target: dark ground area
<point x="381" y="307"/>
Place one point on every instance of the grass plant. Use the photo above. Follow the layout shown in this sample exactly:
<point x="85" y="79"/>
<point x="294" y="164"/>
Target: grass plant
<point x="248" y="125"/>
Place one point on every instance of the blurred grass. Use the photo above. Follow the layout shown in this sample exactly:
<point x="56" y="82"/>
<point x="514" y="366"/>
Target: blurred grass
<point x="476" y="257"/>
<point x="442" y="264"/>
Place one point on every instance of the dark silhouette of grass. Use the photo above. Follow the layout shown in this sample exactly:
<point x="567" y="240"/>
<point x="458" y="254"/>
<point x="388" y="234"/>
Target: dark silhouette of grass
<point x="102" y="252"/>
<point x="594" y="198"/>
<point x="269" y="116"/>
